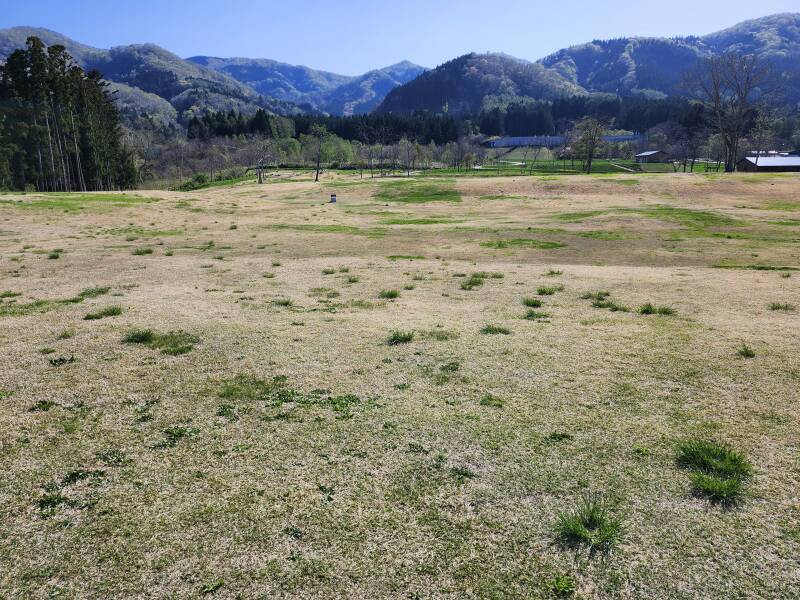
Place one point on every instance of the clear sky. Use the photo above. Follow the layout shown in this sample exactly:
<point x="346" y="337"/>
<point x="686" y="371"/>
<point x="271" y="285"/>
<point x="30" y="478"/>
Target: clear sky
<point x="353" y="36"/>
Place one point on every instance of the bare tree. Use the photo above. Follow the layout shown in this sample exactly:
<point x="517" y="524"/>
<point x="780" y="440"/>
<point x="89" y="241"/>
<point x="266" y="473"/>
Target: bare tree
<point x="762" y="134"/>
<point x="590" y="136"/>
<point x="731" y="86"/>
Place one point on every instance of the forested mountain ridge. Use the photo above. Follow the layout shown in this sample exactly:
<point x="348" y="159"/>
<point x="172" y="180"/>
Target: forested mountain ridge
<point x="461" y="85"/>
<point x="652" y="67"/>
<point x="656" y="66"/>
<point x="149" y="73"/>
<point x="325" y="91"/>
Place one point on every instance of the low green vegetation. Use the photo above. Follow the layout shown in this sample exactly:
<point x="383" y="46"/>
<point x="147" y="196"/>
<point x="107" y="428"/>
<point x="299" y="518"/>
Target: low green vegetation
<point x="173" y="343"/>
<point x="108" y="311"/>
<point x="590" y="525"/>
<point x="417" y="192"/>
<point x="718" y="471"/>
<point x="400" y="337"/>
<point x="523" y="243"/>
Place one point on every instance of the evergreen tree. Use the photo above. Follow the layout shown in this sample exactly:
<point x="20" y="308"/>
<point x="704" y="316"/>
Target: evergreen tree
<point x="59" y="127"/>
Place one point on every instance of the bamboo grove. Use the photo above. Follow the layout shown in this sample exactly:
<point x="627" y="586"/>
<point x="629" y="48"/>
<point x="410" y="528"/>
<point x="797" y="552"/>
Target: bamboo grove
<point x="59" y="127"/>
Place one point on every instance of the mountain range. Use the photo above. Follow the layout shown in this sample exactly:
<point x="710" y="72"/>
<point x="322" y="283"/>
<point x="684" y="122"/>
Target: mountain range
<point x="654" y="67"/>
<point x="157" y="88"/>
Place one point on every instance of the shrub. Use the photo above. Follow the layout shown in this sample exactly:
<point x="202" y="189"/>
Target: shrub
<point x="400" y="337"/>
<point x="589" y="525"/>
<point x="389" y="294"/>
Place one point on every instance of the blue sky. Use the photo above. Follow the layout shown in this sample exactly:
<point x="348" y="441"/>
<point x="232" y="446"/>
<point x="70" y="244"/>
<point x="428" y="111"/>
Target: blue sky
<point x="353" y="36"/>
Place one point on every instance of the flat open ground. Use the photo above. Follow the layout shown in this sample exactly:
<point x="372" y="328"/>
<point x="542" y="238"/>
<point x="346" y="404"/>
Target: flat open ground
<point x="285" y="449"/>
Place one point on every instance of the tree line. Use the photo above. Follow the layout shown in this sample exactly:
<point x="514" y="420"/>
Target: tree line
<point x="59" y="126"/>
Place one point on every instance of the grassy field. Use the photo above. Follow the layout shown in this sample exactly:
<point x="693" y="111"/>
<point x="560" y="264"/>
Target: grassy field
<point x="451" y="387"/>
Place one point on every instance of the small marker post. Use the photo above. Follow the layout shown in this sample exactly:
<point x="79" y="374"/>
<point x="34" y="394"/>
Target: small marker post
<point x="333" y="199"/>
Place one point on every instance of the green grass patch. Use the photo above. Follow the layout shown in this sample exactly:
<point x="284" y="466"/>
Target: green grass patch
<point x="718" y="471"/>
<point x="318" y="228"/>
<point x="606" y="236"/>
<point x="417" y="192"/>
<point x="495" y="330"/>
<point x="400" y="337"/>
<point x="589" y="525"/>
<point x="173" y="343"/>
<point x="68" y="202"/>
<point x="651" y="309"/>
<point x="108" y="311"/>
<point x="421" y="221"/>
<point x="522" y="243"/>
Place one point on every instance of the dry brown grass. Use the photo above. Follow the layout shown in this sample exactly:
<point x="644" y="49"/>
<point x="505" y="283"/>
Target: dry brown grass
<point x="379" y="473"/>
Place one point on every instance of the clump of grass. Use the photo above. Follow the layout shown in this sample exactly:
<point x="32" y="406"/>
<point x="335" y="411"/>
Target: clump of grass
<point x="549" y="291"/>
<point x="746" y="351"/>
<point x="42" y="406"/>
<point x="268" y="275"/>
<point x="595" y="296"/>
<point x="344" y="269"/>
<point x="94" y="292"/>
<point x="781" y="306"/>
<point x="610" y="305"/>
<point x="9" y="294"/>
<point x="719" y="471"/>
<point x="440" y="335"/>
<point x="409" y="287"/>
<point x="142" y="251"/>
<point x="389" y="294"/>
<point x="495" y="330"/>
<point x="493" y="401"/>
<point x="174" y="434"/>
<point x="561" y="586"/>
<point x="108" y="311"/>
<point x="328" y="271"/>
<point x="535" y="315"/>
<point x="651" y="309"/>
<point x="532" y="302"/>
<point x="400" y="337"/>
<point x="173" y="343"/>
<point x="66" y="334"/>
<point x="475" y="280"/>
<point x="285" y="302"/>
<point x="54" y="255"/>
<point x="352" y="279"/>
<point x="590" y="524"/>
<point x="552" y="273"/>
